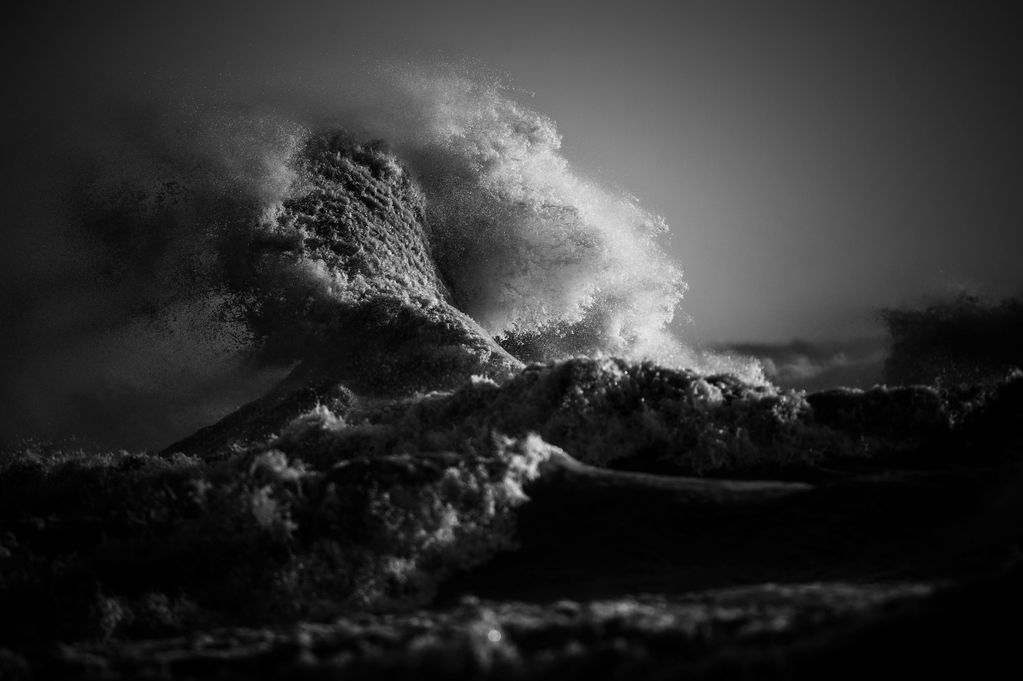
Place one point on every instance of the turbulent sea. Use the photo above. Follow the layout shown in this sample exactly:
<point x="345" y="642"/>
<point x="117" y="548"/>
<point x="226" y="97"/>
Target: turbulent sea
<point x="470" y="444"/>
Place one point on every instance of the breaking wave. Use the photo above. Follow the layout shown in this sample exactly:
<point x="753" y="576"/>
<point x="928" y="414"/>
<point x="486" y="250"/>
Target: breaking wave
<point x="545" y="260"/>
<point x="464" y="242"/>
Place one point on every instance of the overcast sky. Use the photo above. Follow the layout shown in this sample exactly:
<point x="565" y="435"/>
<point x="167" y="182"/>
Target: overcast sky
<point x="815" y="160"/>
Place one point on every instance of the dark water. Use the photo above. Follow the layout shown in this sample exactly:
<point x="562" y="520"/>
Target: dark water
<point x="444" y="372"/>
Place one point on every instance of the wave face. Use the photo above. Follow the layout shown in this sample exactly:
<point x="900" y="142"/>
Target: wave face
<point x="342" y="277"/>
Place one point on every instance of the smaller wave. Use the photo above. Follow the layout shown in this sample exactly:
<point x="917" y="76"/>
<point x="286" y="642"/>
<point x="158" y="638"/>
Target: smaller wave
<point x="255" y="537"/>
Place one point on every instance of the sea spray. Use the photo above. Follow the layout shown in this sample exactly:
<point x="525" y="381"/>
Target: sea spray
<point x="259" y="239"/>
<point x="541" y="256"/>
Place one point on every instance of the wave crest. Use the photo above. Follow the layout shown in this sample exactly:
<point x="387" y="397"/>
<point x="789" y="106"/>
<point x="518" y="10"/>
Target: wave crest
<point x="538" y="254"/>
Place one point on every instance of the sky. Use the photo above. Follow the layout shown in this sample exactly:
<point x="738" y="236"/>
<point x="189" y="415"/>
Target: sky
<point x="815" y="160"/>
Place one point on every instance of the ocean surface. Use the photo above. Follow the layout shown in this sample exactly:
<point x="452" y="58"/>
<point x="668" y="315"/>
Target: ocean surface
<point x="436" y="367"/>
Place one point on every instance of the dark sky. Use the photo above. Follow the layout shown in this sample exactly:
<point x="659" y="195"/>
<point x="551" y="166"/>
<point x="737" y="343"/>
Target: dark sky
<point x="815" y="160"/>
